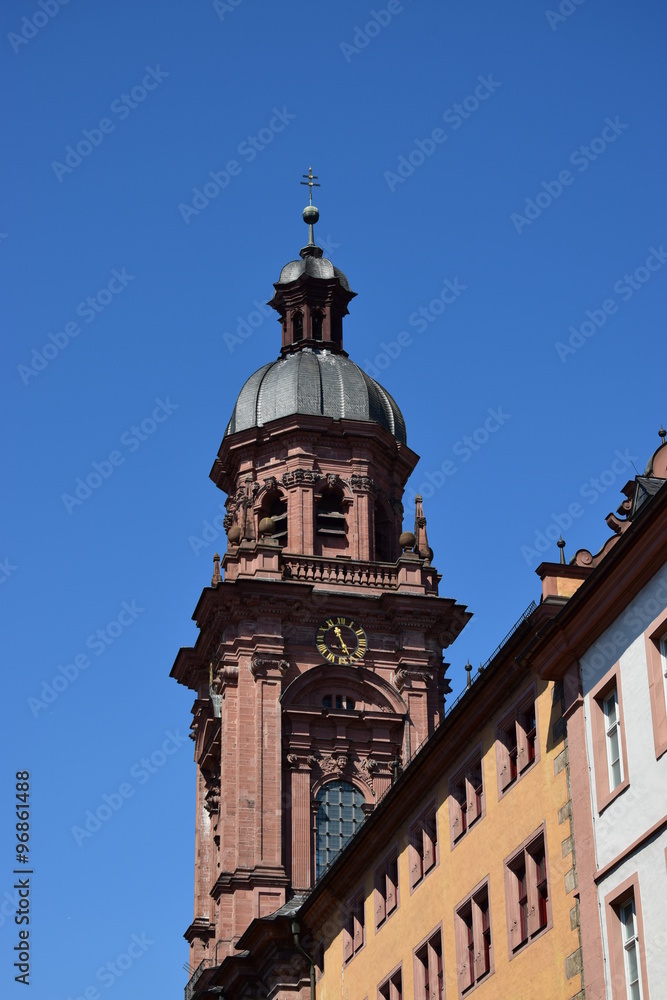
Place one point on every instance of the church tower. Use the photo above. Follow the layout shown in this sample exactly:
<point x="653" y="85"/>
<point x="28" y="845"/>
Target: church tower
<point x="318" y="669"/>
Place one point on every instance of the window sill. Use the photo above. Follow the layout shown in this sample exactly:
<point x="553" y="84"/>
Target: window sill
<point x="378" y="927"/>
<point x="515" y="781"/>
<point x="480" y="982"/>
<point x="520" y="948"/>
<point x="609" y="797"/>
<point x="421" y="881"/>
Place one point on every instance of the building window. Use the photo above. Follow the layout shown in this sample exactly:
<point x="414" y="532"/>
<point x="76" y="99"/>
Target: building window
<point x="339" y="815"/>
<point x="656" y="661"/>
<point x="297" y="326"/>
<point x="608" y="738"/>
<point x="429" y="970"/>
<point x="275" y="507"/>
<point x="474" y="946"/>
<point x="613" y="738"/>
<point x="330" y="514"/>
<point x="423" y="849"/>
<point x="341" y="702"/>
<point x="386" y="889"/>
<point x="625" y="932"/>
<point x="392" y="987"/>
<point x="466" y="796"/>
<point x="517" y="746"/>
<point x="628" y="919"/>
<point x="527" y="892"/>
<point x="316" y="320"/>
<point x="385" y="532"/>
<point x="354" y="926"/>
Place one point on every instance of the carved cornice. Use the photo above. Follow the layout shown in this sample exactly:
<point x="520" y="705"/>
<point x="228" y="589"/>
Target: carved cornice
<point x="363" y="484"/>
<point x="263" y="664"/>
<point x="212" y="800"/>
<point x="404" y="676"/>
<point x="226" y="674"/>
<point x="299" y="477"/>
<point x="300" y="762"/>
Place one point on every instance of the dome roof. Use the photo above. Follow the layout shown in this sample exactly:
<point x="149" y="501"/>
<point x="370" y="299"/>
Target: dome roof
<point x="315" y="267"/>
<point x="315" y="381"/>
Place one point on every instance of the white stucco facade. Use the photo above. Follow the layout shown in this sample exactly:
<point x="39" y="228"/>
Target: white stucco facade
<point x="641" y="806"/>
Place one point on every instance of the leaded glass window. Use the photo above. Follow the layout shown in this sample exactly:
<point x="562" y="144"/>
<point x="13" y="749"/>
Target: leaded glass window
<point x="339" y="815"/>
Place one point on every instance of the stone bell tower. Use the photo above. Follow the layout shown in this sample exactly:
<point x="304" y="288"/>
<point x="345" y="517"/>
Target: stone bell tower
<point x="318" y="668"/>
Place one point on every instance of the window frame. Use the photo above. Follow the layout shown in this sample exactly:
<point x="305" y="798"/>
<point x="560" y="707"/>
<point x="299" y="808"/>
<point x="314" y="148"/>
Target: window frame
<point x="393" y="990"/>
<point x="421" y="984"/>
<point x="604" y="793"/>
<point x="655" y="639"/>
<point x="524" y="855"/>
<point x="614" y="901"/>
<point x="423" y="846"/>
<point x="461" y="779"/>
<point x="527" y="741"/>
<point x="354" y="925"/>
<point x="381" y="893"/>
<point x="461" y="929"/>
<point x="319" y="800"/>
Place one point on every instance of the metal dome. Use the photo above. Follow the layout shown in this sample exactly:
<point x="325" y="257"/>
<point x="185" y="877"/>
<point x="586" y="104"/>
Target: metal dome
<point x="316" y="267"/>
<point x="319" y="382"/>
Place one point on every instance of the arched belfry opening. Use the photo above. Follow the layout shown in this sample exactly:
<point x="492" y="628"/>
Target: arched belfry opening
<point x="274" y="505"/>
<point x="385" y="533"/>
<point x="316" y="321"/>
<point x="297" y="326"/>
<point x="331" y="527"/>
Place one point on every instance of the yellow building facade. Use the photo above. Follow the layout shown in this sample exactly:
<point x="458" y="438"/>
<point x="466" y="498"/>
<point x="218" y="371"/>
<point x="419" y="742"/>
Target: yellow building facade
<point x="462" y="881"/>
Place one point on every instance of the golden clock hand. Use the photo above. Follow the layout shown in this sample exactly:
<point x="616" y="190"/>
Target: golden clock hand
<point x="341" y="640"/>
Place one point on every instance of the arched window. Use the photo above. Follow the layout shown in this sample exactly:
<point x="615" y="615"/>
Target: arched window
<point x="274" y="506"/>
<point x="384" y="535"/>
<point x="330" y="515"/>
<point x="339" y="815"/>
<point x="316" y="319"/>
<point x="297" y="326"/>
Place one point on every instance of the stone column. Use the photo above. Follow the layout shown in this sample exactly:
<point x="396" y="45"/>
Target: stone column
<point x="300" y="809"/>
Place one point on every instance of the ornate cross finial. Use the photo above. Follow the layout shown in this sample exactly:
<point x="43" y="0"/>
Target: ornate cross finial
<point x="310" y="183"/>
<point x="310" y="216"/>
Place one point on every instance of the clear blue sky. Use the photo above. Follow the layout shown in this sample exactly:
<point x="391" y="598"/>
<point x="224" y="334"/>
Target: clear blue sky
<point x="539" y="198"/>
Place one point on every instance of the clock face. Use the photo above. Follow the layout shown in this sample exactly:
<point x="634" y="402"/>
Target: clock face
<point x="340" y="640"/>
